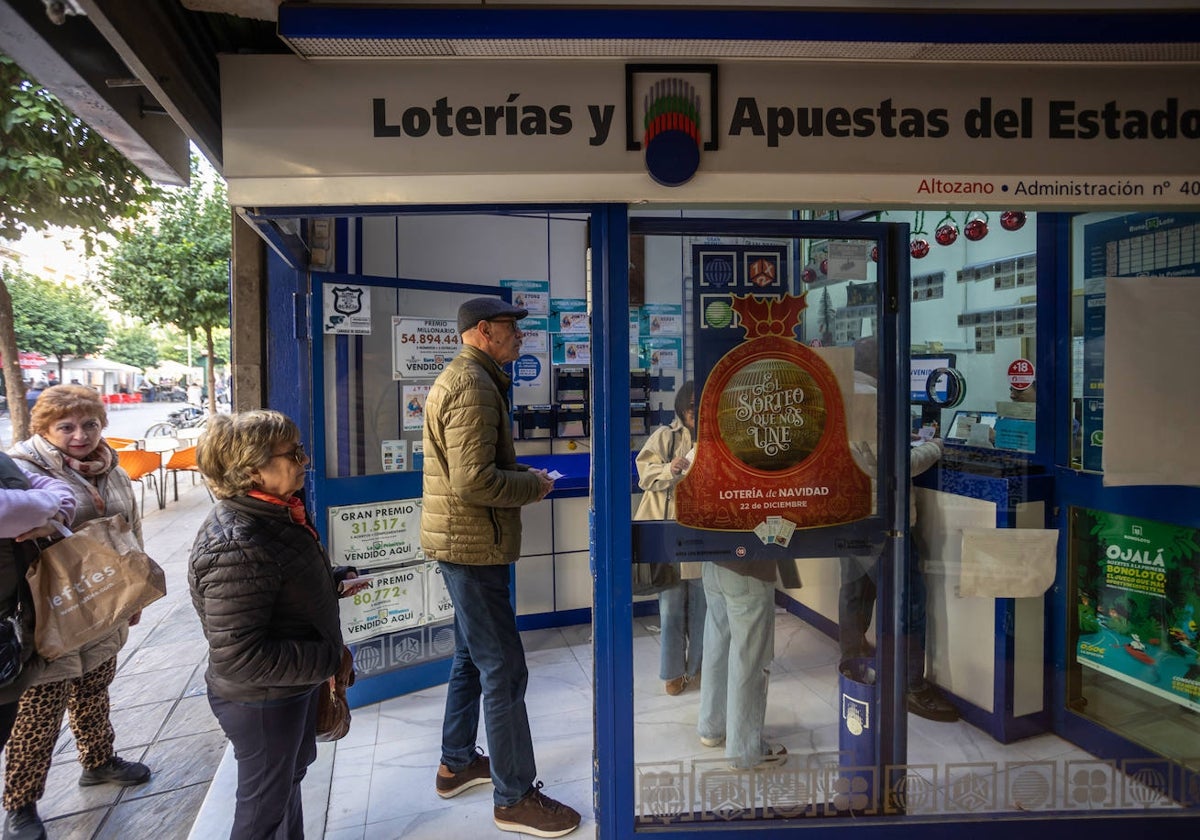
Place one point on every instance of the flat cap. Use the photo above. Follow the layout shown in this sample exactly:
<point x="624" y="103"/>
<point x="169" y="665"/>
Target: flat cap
<point x="485" y="309"/>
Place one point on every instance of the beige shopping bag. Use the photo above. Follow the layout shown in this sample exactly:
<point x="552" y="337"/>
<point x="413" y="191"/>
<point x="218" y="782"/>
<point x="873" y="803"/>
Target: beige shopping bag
<point x="87" y="584"/>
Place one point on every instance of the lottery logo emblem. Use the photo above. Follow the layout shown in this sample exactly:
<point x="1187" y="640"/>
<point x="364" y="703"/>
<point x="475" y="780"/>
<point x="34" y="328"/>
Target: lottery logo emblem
<point x="762" y="272"/>
<point x="671" y="117"/>
<point x="672" y="132"/>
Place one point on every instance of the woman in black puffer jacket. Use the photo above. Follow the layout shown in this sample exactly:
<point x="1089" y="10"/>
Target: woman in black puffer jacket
<point x="267" y="599"/>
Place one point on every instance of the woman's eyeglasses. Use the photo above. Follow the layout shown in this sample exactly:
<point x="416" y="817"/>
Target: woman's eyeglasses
<point x="298" y="455"/>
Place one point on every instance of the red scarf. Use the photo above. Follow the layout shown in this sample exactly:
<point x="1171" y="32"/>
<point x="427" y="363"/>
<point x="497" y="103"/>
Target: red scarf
<point x="293" y="504"/>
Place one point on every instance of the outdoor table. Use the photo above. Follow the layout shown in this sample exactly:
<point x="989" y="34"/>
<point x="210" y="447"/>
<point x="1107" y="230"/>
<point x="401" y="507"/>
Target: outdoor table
<point x="190" y="435"/>
<point x="161" y="445"/>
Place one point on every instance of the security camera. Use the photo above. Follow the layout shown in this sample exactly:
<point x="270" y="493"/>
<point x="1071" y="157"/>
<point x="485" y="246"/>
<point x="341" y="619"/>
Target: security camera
<point x="58" y="10"/>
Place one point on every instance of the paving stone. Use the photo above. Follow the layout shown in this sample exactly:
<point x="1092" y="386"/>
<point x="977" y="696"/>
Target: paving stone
<point x="166" y="816"/>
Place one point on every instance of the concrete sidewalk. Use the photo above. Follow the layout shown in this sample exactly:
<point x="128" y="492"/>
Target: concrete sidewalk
<point x="160" y="712"/>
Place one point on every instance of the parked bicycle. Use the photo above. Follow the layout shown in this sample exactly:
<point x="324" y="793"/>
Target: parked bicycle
<point x="188" y="417"/>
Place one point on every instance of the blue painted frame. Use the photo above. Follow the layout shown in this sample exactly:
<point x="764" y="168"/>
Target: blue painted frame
<point x="1075" y="488"/>
<point x="1076" y="26"/>
<point x="892" y="307"/>
<point x="287" y="292"/>
<point x="350" y="490"/>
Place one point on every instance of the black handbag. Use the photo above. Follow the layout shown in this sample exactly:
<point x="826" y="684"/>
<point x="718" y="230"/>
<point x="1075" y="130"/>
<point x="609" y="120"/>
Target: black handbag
<point x="12" y="651"/>
<point x="652" y="578"/>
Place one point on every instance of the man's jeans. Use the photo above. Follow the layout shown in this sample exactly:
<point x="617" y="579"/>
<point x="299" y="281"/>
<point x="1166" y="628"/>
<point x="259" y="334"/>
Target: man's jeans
<point x="856" y="606"/>
<point x="488" y="659"/>
<point x="681" y="611"/>
<point x="739" y="644"/>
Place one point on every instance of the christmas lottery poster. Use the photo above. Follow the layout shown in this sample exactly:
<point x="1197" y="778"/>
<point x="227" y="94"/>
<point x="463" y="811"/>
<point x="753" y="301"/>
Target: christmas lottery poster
<point x="1138" y="602"/>
<point x="771" y="435"/>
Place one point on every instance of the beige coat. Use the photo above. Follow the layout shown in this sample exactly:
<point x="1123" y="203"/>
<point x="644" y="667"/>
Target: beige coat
<point x="654" y="470"/>
<point x="473" y="488"/>
<point x="865" y="454"/>
<point x="117" y="491"/>
<point x="657" y="481"/>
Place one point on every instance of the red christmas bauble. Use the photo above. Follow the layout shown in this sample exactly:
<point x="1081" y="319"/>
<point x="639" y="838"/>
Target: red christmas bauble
<point x="1012" y="220"/>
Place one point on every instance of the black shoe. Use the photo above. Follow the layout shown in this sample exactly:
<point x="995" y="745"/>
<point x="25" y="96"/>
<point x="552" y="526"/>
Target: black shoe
<point x="928" y="702"/>
<point x="116" y="771"/>
<point x="24" y="824"/>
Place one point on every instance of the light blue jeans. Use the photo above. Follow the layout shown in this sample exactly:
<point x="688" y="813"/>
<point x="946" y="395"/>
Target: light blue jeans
<point x="681" y="611"/>
<point x="739" y="643"/>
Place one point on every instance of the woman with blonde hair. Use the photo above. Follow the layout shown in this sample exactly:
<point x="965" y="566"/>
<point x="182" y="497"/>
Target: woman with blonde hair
<point x="267" y="600"/>
<point x="67" y="443"/>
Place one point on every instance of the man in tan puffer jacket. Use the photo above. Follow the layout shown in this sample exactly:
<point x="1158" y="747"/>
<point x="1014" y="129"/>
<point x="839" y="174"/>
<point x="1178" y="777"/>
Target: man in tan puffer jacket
<point x="473" y="490"/>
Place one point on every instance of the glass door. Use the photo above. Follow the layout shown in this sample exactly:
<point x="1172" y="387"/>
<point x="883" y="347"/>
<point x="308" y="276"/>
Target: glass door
<point x="384" y="329"/>
<point x="767" y="419"/>
<point x="384" y="341"/>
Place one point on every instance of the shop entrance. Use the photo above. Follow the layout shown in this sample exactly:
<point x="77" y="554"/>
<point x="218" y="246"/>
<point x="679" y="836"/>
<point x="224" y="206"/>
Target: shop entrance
<point x="762" y="482"/>
<point x="383" y="323"/>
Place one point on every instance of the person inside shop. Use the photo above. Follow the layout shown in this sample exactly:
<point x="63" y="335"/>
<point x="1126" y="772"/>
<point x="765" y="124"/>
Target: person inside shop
<point x="661" y="464"/>
<point x="472" y="495"/>
<point x="856" y="597"/>
<point x="30" y="505"/>
<point x="739" y="644"/>
<point x="266" y="596"/>
<point x="67" y="443"/>
<point x="1025" y="395"/>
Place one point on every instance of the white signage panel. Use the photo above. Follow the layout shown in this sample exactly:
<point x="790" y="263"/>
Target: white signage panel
<point x="1036" y="136"/>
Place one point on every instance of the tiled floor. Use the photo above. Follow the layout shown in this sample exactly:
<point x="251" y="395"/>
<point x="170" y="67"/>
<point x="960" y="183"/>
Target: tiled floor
<point x="383" y="770"/>
<point x="382" y="784"/>
<point x="160" y="714"/>
<point x="377" y="783"/>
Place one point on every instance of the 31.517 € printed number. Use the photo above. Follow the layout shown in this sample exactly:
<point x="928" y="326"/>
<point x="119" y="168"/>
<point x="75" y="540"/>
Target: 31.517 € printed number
<point x="383" y="523"/>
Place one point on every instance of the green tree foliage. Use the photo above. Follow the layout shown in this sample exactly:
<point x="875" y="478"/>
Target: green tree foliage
<point x="54" y="170"/>
<point x="173" y="267"/>
<point x="173" y="345"/>
<point x="54" y="319"/>
<point x="134" y="346"/>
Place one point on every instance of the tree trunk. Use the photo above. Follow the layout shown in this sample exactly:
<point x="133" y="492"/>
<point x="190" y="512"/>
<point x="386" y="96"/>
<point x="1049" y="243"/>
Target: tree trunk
<point x="18" y="411"/>
<point x="212" y="371"/>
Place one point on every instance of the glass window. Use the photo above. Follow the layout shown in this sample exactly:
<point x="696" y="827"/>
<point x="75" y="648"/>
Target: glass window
<point x="753" y="442"/>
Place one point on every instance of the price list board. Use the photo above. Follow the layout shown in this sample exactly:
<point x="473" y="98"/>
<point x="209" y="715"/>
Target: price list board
<point x="1135" y="245"/>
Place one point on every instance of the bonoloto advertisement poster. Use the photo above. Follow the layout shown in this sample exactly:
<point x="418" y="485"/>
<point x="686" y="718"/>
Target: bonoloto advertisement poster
<point x="1138" y="599"/>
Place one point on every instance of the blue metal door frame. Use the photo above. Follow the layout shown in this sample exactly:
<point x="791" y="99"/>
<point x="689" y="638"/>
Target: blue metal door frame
<point x="291" y="390"/>
<point x="611" y="520"/>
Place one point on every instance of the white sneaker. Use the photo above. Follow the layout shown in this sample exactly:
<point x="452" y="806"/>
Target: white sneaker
<point x="712" y="742"/>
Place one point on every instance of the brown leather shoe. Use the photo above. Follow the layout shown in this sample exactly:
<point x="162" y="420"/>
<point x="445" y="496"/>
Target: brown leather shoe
<point x="676" y="686"/>
<point x="536" y="814"/>
<point x="478" y="772"/>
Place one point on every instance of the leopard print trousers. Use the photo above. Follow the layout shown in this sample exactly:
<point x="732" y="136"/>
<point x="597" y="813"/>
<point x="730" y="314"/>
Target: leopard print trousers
<point x="39" y="719"/>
